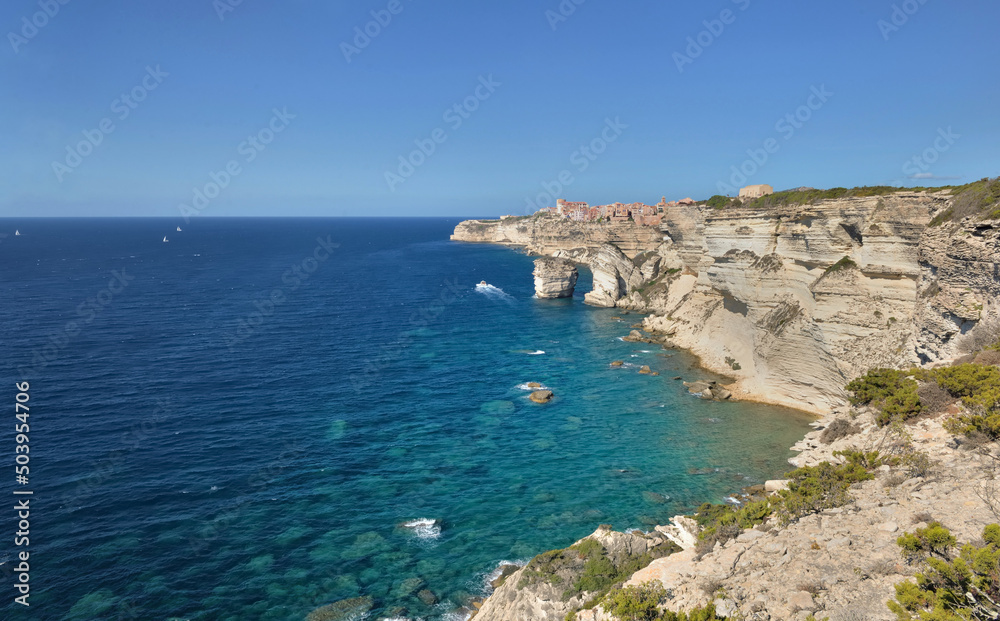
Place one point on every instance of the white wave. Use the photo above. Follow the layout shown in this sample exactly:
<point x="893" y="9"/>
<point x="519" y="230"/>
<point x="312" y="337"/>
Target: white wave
<point x="537" y="352"/>
<point x="526" y="387"/>
<point x="424" y="528"/>
<point x="498" y="570"/>
<point x="732" y="500"/>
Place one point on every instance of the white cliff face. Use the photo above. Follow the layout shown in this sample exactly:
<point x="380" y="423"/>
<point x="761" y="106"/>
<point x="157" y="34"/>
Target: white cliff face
<point x="803" y="299"/>
<point x="548" y="234"/>
<point x="555" y="278"/>
<point x="615" y="274"/>
<point x="792" y="301"/>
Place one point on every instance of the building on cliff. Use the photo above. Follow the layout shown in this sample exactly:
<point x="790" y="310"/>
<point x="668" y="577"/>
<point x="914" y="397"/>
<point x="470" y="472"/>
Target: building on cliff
<point x="756" y="191"/>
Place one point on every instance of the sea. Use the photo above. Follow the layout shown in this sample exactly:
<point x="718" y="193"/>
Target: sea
<point x="253" y="418"/>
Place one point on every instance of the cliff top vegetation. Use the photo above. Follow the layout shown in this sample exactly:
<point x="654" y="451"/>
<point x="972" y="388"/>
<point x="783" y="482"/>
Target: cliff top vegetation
<point x="979" y="198"/>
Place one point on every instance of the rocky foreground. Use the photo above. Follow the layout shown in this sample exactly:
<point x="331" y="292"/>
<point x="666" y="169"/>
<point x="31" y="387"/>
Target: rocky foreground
<point x="839" y="564"/>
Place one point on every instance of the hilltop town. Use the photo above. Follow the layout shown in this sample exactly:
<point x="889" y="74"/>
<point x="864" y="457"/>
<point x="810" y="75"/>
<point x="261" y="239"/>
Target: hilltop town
<point x="641" y="213"/>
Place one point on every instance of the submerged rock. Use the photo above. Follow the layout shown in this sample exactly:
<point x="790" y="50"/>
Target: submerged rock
<point x="654" y="498"/>
<point x="555" y="278"/>
<point x="343" y="610"/>
<point x="427" y="597"/>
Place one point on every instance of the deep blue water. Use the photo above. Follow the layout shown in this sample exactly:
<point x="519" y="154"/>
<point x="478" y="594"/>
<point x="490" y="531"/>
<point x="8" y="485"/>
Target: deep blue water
<point x="215" y="436"/>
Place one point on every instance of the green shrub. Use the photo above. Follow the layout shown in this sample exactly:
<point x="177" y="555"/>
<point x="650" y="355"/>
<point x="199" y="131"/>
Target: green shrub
<point x="719" y="202"/>
<point x="720" y="523"/>
<point x="641" y="603"/>
<point x="811" y="195"/>
<point x="978" y="386"/>
<point x="543" y="568"/>
<point x="959" y="589"/>
<point x="600" y="573"/>
<point x="893" y="393"/>
<point x="932" y="539"/>
<point x="636" y="603"/>
<point x="824" y="486"/>
<point x="869" y="460"/>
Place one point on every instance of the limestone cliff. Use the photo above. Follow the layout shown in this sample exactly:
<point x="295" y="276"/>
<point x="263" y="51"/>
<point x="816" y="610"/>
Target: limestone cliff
<point x="547" y="234"/>
<point x="555" y="278"/>
<point x="793" y="301"/>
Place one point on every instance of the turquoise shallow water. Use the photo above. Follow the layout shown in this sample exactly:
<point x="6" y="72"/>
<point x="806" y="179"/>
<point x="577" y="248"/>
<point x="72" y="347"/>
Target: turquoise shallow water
<point x="273" y="475"/>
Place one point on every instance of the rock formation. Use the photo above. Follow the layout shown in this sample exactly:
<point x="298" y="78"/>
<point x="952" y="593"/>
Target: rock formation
<point x="555" y="278"/>
<point x="538" y="591"/>
<point x="792" y="301"/>
<point x="548" y="234"/>
<point x="541" y="396"/>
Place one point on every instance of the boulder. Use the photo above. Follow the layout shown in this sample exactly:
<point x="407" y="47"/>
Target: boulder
<point x="697" y="387"/>
<point x="645" y="370"/>
<point x="634" y="337"/>
<point x="776" y="485"/>
<point x="618" y="363"/>
<point x="724" y="608"/>
<point x="541" y="396"/>
<point x="534" y="385"/>
<point x="555" y="278"/>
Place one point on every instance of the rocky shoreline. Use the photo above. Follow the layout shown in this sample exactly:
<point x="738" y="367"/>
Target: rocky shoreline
<point x="792" y="303"/>
<point x="794" y="300"/>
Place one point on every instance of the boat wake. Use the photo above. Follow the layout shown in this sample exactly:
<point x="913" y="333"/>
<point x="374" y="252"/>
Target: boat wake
<point x="495" y="293"/>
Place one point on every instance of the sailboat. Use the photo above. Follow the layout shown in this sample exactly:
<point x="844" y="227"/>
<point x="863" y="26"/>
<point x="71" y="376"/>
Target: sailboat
<point x="165" y="240"/>
<point x="17" y="232"/>
<point x="178" y="229"/>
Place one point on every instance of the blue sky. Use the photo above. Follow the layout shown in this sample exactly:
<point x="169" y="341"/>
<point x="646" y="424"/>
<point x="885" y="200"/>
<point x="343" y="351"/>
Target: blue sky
<point x="536" y="83"/>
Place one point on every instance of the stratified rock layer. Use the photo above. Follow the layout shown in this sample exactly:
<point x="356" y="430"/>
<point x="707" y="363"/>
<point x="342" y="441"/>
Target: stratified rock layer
<point x="791" y="301"/>
<point x="555" y="278"/>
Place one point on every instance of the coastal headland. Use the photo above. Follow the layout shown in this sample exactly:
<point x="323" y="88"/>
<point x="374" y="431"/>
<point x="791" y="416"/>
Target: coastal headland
<point x="793" y="300"/>
<point x="795" y="295"/>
